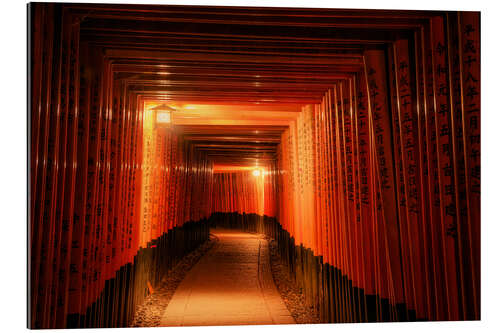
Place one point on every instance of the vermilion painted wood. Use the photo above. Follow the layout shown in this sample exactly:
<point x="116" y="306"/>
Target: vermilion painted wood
<point x="164" y="180"/>
<point x="360" y="283"/>
<point x="323" y="206"/>
<point x="426" y="174"/>
<point x="39" y="183"/>
<point x="251" y="65"/>
<point x="264" y="12"/>
<point x="173" y="183"/>
<point x="419" y="53"/>
<point x="357" y="278"/>
<point x="338" y="171"/>
<point x="117" y="133"/>
<point x="136" y="182"/>
<point x="445" y="178"/>
<point x="93" y="145"/>
<point x="349" y="185"/>
<point x="62" y="161"/>
<point x="339" y="206"/>
<point x="357" y="208"/>
<point x="364" y="187"/>
<point x="79" y="219"/>
<point x="60" y="299"/>
<point x="401" y="185"/>
<point x="382" y="271"/>
<point x="331" y="255"/>
<point x="51" y="185"/>
<point x="349" y="179"/>
<point x="154" y="186"/>
<point x="94" y="248"/>
<point x="359" y="106"/>
<point x="381" y="133"/>
<point x="274" y="19"/>
<point x="408" y="120"/>
<point x="168" y="194"/>
<point x="346" y="160"/>
<point x="433" y="204"/>
<point x="122" y="207"/>
<point x="129" y="190"/>
<point x="457" y="159"/>
<point x="104" y="245"/>
<point x="469" y="58"/>
<point x="331" y="222"/>
<point x="326" y="202"/>
<point x="36" y="69"/>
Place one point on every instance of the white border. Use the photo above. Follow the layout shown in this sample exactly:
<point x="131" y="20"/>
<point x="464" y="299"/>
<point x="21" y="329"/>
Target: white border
<point x="13" y="137"/>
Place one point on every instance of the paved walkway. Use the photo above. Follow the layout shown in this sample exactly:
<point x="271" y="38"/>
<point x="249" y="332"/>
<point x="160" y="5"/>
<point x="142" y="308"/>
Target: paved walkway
<point x="230" y="285"/>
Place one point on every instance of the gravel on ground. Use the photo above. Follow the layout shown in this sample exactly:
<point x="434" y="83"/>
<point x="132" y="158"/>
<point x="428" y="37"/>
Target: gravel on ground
<point x="150" y="312"/>
<point x="292" y="295"/>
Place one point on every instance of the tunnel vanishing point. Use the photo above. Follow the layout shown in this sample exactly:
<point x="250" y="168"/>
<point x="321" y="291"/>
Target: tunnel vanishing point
<point x="350" y="137"/>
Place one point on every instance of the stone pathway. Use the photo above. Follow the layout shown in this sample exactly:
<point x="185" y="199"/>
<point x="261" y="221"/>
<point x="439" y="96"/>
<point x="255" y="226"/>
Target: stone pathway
<point x="230" y="285"/>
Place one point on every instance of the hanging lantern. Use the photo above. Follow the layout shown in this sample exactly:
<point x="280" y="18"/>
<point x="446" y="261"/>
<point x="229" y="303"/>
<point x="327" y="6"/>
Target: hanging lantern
<point x="163" y="115"/>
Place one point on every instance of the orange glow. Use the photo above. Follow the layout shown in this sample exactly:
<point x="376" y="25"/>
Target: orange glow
<point x="163" y="118"/>
<point x="220" y="168"/>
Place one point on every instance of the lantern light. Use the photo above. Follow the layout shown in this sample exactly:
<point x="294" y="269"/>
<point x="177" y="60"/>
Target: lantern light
<point x="163" y="114"/>
<point x="163" y="117"/>
<point x="256" y="172"/>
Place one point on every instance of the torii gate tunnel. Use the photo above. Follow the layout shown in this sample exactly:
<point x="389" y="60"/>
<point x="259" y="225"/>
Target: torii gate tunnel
<point x="351" y="137"/>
